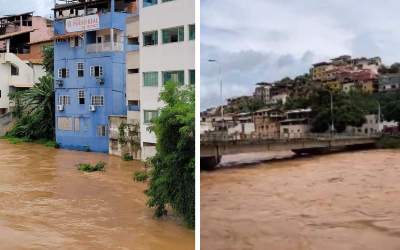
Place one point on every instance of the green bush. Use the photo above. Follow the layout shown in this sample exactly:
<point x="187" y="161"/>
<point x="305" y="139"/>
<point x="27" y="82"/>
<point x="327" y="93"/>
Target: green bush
<point x="127" y="157"/>
<point x="52" y="144"/>
<point x="389" y="142"/>
<point x="172" y="175"/>
<point x="140" y="176"/>
<point x="86" y="167"/>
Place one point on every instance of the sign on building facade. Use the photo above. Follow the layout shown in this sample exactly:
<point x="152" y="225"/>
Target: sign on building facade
<point x="84" y="23"/>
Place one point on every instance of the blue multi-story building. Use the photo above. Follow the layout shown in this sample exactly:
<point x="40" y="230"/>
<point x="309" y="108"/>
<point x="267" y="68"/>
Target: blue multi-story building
<point x="89" y="65"/>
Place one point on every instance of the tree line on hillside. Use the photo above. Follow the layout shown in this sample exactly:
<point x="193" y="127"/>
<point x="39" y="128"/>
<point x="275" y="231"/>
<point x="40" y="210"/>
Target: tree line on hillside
<point x="349" y="109"/>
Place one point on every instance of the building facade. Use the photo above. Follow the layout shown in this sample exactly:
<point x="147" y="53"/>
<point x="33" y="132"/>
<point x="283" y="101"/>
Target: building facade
<point x="22" y="38"/>
<point x="167" y="53"/>
<point x="389" y="82"/>
<point x="89" y="64"/>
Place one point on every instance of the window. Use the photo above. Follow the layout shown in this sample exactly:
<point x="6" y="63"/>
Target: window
<point x="147" y="3"/>
<point x="81" y="96"/>
<point x="96" y="71"/>
<point x="65" y="123"/>
<point x="75" y="42"/>
<point x="64" y="100"/>
<point x="101" y="130"/>
<point x="14" y="70"/>
<point x="133" y="71"/>
<point x="63" y="73"/>
<point x="173" y="35"/>
<point x="133" y="105"/>
<point x="77" y="124"/>
<point x="97" y="100"/>
<point x="192" y="32"/>
<point x="192" y="76"/>
<point x="177" y="77"/>
<point x="80" y="69"/>
<point x="150" y="79"/>
<point x="133" y="40"/>
<point x="150" y="38"/>
<point x="149" y="115"/>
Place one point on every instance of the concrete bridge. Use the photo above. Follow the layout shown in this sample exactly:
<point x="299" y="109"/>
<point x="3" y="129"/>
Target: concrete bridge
<point x="214" y="147"/>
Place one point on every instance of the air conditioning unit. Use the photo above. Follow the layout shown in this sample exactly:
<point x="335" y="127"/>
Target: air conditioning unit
<point x="92" y="108"/>
<point x="60" y="83"/>
<point x="60" y="107"/>
<point x="100" y="80"/>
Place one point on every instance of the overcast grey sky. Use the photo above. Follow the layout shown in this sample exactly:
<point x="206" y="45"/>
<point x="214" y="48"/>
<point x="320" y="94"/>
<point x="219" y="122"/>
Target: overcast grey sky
<point x="266" y="40"/>
<point x="41" y="7"/>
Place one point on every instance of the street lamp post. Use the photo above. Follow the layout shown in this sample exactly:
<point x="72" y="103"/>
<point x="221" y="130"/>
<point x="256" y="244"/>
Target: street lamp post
<point x="332" y="124"/>
<point x="220" y="85"/>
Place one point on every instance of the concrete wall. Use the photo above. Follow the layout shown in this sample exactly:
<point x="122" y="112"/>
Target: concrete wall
<point x="294" y="131"/>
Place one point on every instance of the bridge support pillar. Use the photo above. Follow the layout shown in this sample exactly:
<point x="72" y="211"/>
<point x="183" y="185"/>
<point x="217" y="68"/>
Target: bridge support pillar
<point x="209" y="163"/>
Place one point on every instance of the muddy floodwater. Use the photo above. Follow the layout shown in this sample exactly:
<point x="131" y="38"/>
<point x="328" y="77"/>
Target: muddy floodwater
<point x="45" y="203"/>
<point x="339" y="201"/>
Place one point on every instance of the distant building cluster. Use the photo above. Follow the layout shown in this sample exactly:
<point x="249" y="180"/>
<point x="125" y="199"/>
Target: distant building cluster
<point x="343" y="73"/>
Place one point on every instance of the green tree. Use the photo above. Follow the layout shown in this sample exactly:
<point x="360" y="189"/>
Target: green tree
<point x="172" y="178"/>
<point x="390" y="103"/>
<point x="36" y="111"/>
<point x="48" y="59"/>
<point x="349" y="109"/>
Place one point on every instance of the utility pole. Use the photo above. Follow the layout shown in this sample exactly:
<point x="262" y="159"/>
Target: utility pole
<point x="332" y="124"/>
<point x="379" y="116"/>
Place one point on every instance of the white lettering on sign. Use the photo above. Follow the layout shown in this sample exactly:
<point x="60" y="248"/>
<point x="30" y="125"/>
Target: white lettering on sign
<point x="91" y="22"/>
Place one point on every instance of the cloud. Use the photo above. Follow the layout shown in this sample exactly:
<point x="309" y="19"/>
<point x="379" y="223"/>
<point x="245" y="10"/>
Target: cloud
<point x="40" y="7"/>
<point x="270" y="39"/>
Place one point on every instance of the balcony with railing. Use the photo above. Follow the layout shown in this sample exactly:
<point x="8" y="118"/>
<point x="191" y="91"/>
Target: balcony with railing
<point x="104" y="47"/>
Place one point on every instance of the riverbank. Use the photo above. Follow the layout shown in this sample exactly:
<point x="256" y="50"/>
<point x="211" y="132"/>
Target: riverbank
<point x="48" y="204"/>
<point x="337" y="201"/>
<point x="17" y="140"/>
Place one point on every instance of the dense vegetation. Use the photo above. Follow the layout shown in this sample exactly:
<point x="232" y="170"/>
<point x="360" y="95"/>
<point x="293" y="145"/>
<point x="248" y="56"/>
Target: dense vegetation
<point x="34" y="111"/>
<point x="34" y="108"/>
<point x="86" y="167"/>
<point x="349" y="109"/>
<point x="172" y="178"/>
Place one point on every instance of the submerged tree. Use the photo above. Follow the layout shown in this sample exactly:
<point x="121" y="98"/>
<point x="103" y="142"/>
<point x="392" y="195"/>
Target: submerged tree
<point x="172" y="179"/>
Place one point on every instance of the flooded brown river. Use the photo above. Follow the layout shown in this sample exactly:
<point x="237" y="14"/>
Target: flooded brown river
<point x="45" y="203"/>
<point x="339" y="201"/>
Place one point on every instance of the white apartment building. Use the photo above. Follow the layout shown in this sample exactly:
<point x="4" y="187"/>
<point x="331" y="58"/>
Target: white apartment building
<point x="167" y="53"/>
<point x="15" y="73"/>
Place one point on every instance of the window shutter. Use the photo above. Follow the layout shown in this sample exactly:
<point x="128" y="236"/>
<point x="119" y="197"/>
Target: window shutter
<point x="91" y="71"/>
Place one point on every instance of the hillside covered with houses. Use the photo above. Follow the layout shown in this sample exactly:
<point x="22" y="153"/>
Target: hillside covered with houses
<point x="356" y="96"/>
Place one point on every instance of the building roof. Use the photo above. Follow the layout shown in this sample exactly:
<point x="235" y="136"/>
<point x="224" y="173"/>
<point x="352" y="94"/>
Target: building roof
<point x="42" y="41"/>
<point x="299" y="111"/>
<point x="320" y="64"/>
<point x="294" y="120"/>
<point x="15" y="15"/>
<point x="77" y="4"/>
<point x="5" y="36"/>
<point x="68" y="35"/>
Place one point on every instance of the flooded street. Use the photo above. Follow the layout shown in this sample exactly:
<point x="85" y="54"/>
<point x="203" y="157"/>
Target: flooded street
<point x="45" y="203"/>
<point x="340" y="201"/>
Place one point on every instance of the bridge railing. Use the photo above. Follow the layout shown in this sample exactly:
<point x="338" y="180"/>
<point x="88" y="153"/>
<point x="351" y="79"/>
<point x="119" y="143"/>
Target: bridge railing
<point x="220" y="136"/>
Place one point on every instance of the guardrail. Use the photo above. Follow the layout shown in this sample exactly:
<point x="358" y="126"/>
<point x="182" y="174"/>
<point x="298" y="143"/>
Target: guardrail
<point x="104" y="47"/>
<point x="224" y="137"/>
